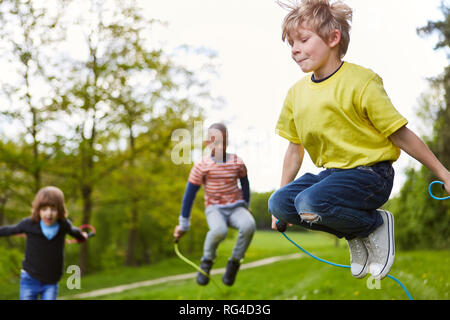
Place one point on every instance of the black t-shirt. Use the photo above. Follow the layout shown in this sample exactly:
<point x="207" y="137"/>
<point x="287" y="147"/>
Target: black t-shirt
<point x="44" y="258"/>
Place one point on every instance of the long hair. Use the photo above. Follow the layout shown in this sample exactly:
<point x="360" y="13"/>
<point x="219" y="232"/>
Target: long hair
<point x="49" y="196"/>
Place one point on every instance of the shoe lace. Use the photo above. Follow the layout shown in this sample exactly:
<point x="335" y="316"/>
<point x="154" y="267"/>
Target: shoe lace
<point x="372" y="245"/>
<point x="357" y="250"/>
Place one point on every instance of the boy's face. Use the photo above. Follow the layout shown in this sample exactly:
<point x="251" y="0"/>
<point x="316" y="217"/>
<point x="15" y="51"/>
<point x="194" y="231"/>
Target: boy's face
<point x="311" y="52"/>
<point x="48" y="214"/>
<point x="217" y="140"/>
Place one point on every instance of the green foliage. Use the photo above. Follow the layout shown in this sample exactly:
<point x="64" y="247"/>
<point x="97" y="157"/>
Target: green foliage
<point x="258" y="207"/>
<point x="9" y="260"/>
<point x="422" y="222"/>
<point x="103" y="135"/>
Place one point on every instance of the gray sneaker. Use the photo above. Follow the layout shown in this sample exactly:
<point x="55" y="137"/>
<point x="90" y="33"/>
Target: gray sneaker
<point x="381" y="247"/>
<point x="359" y="264"/>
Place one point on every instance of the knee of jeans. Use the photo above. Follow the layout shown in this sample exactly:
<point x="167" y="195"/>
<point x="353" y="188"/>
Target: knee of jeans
<point x="274" y="204"/>
<point x="219" y="233"/>
<point x="305" y="203"/>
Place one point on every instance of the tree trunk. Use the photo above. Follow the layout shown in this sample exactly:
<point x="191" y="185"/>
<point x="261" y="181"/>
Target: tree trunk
<point x="132" y="236"/>
<point x="86" y="192"/>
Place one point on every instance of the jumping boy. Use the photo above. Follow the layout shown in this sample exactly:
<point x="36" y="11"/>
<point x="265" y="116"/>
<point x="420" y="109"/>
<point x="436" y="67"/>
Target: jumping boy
<point x="343" y="117"/>
<point x="225" y="203"/>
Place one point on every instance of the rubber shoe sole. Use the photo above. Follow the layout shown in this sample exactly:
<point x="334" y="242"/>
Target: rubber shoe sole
<point x="380" y="271"/>
<point x="358" y="270"/>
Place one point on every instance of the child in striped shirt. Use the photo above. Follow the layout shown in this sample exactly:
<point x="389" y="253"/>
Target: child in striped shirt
<point x="225" y="203"/>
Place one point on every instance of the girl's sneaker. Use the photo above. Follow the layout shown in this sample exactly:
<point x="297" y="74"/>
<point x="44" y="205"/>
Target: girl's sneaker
<point x="381" y="247"/>
<point x="231" y="271"/>
<point x="359" y="264"/>
<point x="206" y="266"/>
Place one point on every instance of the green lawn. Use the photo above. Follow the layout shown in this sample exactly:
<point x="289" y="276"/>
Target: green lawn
<point x="424" y="273"/>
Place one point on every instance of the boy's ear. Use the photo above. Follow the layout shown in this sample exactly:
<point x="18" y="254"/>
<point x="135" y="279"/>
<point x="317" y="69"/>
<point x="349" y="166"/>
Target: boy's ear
<point x="334" y="38"/>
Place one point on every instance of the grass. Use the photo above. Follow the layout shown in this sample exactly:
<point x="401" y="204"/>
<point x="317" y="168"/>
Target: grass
<point x="424" y="273"/>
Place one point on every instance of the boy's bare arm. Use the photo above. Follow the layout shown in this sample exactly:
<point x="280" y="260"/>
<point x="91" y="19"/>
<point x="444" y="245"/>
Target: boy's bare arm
<point x="293" y="159"/>
<point x="409" y="142"/>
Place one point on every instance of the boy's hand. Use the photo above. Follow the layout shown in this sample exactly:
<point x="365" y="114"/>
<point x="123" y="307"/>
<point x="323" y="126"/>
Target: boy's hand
<point x="178" y="233"/>
<point x="447" y="186"/>
<point x="274" y="223"/>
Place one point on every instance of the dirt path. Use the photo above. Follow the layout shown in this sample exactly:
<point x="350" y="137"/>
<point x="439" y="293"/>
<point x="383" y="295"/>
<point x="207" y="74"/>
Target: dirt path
<point x="148" y="283"/>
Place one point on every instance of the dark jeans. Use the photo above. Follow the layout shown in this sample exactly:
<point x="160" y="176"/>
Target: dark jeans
<point x="344" y="199"/>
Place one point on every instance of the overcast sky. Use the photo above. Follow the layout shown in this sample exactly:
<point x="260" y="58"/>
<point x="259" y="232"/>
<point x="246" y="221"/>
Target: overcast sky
<point x="255" y="68"/>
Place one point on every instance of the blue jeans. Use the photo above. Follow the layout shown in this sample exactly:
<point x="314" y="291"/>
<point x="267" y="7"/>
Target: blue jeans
<point x="345" y="200"/>
<point x="31" y="288"/>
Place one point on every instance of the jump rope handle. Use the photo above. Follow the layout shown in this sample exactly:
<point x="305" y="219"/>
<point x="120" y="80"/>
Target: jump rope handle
<point x="281" y="226"/>
<point x="431" y="194"/>
<point x="90" y="234"/>
<point x="88" y="226"/>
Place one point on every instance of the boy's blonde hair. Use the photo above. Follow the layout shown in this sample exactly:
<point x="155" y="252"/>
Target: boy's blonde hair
<point x="320" y="15"/>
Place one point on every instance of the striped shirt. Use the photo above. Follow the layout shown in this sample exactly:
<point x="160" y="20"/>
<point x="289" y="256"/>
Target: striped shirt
<point x="219" y="178"/>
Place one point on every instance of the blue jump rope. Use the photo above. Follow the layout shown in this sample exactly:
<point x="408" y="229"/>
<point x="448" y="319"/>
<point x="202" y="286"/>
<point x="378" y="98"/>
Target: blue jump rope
<point x="281" y="227"/>
<point x="431" y="194"/>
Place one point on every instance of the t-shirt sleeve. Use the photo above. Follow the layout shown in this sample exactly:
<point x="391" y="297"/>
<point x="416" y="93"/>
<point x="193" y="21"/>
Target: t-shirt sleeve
<point x="286" y="126"/>
<point x="197" y="174"/>
<point x="378" y="108"/>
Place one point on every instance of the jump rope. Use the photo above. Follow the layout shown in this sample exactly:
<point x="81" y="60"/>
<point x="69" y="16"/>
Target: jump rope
<point x="281" y="227"/>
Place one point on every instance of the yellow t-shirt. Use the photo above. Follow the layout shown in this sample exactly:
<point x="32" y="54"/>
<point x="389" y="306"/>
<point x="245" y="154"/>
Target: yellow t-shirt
<point x="344" y="121"/>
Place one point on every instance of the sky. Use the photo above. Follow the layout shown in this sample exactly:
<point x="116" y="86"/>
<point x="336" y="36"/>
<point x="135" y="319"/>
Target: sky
<point x="255" y="70"/>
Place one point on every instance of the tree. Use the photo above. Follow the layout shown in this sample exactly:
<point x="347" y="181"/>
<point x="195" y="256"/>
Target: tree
<point x="27" y="32"/>
<point x="440" y="144"/>
<point x="422" y="222"/>
<point x="111" y="95"/>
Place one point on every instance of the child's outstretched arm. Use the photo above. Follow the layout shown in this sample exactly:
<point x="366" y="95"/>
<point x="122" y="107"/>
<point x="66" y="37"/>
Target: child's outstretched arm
<point x="409" y="142"/>
<point x="186" y="207"/>
<point x="293" y="159"/>
<point x="76" y="232"/>
<point x="13" y="229"/>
